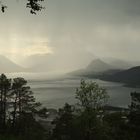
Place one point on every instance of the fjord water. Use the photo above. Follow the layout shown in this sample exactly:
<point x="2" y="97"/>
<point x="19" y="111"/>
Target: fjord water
<point x="55" y="93"/>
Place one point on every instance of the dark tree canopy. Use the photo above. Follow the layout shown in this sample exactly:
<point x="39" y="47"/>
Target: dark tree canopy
<point x="18" y="110"/>
<point x="91" y="95"/>
<point x="87" y="120"/>
<point x="34" y="5"/>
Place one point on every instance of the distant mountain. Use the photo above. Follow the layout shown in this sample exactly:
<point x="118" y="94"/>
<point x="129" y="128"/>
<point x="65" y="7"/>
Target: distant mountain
<point x="118" y="63"/>
<point x="38" y="62"/>
<point x="121" y="64"/>
<point x="97" y="66"/>
<point x="7" y="65"/>
<point x="56" y="62"/>
<point x="131" y="77"/>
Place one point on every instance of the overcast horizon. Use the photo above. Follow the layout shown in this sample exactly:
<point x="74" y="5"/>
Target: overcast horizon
<point x="71" y="32"/>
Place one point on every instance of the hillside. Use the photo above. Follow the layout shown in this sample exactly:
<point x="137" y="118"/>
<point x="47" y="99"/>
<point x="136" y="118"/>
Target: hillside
<point x="96" y="67"/>
<point x="118" y="63"/>
<point x="7" y="65"/>
<point x="130" y="77"/>
<point x="57" y="62"/>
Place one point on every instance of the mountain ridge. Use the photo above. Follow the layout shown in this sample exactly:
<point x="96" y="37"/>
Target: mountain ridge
<point x="130" y="77"/>
<point x="6" y="65"/>
<point x="94" y="67"/>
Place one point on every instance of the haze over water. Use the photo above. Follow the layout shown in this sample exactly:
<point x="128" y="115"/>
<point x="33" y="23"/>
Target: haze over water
<point x="67" y="36"/>
<point x="54" y="93"/>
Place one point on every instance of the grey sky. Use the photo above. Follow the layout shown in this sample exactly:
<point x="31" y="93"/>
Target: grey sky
<point x="103" y="28"/>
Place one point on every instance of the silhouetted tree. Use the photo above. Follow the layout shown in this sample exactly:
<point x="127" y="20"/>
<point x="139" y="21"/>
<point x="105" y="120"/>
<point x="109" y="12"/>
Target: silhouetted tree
<point x="91" y="96"/>
<point x="18" y="109"/>
<point x="117" y="123"/>
<point x="34" y="6"/>
<point x="63" y="128"/>
<point x="134" y="116"/>
<point x="135" y="108"/>
<point x="24" y="102"/>
<point x="84" y="123"/>
<point x="5" y="86"/>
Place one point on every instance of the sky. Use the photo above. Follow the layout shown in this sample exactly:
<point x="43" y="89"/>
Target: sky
<point x="76" y="31"/>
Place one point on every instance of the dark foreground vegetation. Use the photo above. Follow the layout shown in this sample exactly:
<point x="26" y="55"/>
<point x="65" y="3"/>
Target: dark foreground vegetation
<point x="89" y="119"/>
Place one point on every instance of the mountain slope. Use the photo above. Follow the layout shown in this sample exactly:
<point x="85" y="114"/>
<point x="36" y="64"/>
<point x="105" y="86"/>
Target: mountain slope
<point x="95" y="67"/>
<point x="118" y="63"/>
<point x="98" y="65"/>
<point x="130" y="76"/>
<point x="7" y="65"/>
<point x="57" y="62"/>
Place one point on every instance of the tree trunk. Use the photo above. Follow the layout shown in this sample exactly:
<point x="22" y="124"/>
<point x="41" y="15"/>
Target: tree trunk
<point x="15" y="110"/>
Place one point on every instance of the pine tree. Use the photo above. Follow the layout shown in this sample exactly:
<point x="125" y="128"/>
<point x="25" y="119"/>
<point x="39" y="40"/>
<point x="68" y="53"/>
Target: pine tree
<point x="5" y="86"/>
<point x="24" y="102"/>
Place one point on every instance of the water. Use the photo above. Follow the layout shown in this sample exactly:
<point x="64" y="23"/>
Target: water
<point x="55" y="93"/>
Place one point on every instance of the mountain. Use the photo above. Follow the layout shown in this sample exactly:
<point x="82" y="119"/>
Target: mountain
<point x="7" y="65"/>
<point x="38" y="62"/>
<point x="118" y="63"/>
<point x="57" y="62"/>
<point x="130" y="77"/>
<point x="121" y="64"/>
<point x="96" y="67"/>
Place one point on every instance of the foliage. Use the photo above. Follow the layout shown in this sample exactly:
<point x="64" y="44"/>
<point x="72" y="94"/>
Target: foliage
<point x="5" y="85"/>
<point x="91" y="95"/>
<point x="86" y="123"/>
<point x="34" y="6"/>
<point x="63" y="124"/>
<point x="17" y="110"/>
<point x="89" y="123"/>
<point x="134" y="115"/>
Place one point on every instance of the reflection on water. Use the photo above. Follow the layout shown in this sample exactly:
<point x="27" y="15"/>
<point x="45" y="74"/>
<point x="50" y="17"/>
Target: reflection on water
<point x="54" y="93"/>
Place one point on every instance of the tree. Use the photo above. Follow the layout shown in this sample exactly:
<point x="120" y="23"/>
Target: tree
<point x="24" y="106"/>
<point x="135" y="108"/>
<point x="5" y="86"/>
<point x="117" y="123"/>
<point x="134" y="115"/>
<point x="91" y="99"/>
<point x="18" y="109"/>
<point x="34" y="6"/>
<point x="91" y="96"/>
<point x="23" y="99"/>
<point x="84" y="123"/>
<point x="63" y="124"/>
